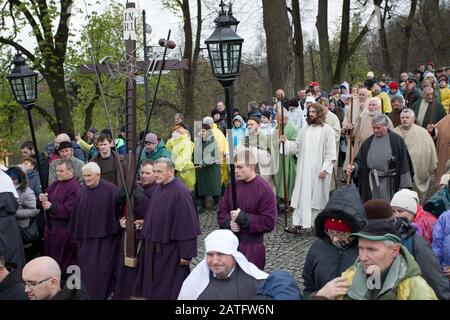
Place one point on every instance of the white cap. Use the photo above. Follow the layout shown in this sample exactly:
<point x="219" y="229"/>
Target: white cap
<point x="222" y="240"/>
<point x="310" y="99"/>
<point x="370" y="74"/>
<point x="406" y="199"/>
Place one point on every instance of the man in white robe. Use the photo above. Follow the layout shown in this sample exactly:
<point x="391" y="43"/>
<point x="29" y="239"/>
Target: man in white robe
<point x="421" y="149"/>
<point x="315" y="148"/>
<point x="333" y="121"/>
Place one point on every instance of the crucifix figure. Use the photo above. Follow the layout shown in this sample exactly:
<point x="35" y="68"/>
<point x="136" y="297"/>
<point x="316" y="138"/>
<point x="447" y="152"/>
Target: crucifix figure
<point x="130" y="67"/>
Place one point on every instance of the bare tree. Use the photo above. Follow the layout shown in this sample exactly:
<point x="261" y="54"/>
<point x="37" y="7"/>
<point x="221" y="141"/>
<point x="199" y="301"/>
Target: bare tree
<point x="324" y="44"/>
<point x="429" y="10"/>
<point x="299" y="79"/>
<point x="278" y="42"/>
<point x="384" y="48"/>
<point x="191" y="52"/>
<point x="407" y="37"/>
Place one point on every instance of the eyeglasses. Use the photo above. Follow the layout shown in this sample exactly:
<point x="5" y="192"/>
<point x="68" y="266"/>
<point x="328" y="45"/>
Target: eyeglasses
<point x="338" y="234"/>
<point x="31" y="284"/>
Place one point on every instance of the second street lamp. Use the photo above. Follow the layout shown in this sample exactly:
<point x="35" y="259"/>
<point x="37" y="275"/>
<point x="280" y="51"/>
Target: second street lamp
<point x="23" y="82"/>
<point x="224" y="49"/>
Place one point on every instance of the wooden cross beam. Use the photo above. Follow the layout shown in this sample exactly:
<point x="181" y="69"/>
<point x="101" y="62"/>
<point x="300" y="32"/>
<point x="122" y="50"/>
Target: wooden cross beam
<point x="130" y="68"/>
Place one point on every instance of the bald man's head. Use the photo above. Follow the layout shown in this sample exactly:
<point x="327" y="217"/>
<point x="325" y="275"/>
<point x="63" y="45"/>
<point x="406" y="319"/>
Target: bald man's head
<point x="63" y="137"/>
<point x="42" y="277"/>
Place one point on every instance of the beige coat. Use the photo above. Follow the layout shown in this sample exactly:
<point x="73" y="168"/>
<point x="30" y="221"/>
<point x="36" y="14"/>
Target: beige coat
<point x="443" y="147"/>
<point x="423" y="155"/>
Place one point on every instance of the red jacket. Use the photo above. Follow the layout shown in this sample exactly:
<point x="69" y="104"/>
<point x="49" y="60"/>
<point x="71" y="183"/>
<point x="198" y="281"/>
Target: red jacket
<point x="425" y="222"/>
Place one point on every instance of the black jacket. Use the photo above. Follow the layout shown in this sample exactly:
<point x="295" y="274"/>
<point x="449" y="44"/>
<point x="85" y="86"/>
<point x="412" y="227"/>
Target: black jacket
<point x="325" y="261"/>
<point x="425" y="257"/>
<point x="12" y="287"/>
<point x="71" y="294"/>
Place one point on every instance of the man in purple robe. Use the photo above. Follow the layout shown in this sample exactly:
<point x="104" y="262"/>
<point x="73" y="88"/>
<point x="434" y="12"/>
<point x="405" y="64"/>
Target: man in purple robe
<point x="129" y="280"/>
<point x="94" y="227"/>
<point x="58" y="203"/>
<point x="256" y="213"/>
<point x="170" y="231"/>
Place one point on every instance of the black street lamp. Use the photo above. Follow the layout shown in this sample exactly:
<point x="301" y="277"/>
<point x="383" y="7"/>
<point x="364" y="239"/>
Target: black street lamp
<point x="23" y="81"/>
<point x="224" y="49"/>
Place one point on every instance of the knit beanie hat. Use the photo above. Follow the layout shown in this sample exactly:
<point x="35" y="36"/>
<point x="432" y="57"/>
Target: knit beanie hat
<point x="406" y="199"/>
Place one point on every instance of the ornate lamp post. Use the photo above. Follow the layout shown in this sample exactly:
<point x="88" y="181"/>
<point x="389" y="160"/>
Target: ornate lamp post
<point x="23" y="81"/>
<point x="224" y="49"/>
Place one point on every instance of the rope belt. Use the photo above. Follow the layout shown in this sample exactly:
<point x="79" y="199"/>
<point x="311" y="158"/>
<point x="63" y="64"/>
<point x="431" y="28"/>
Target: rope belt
<point x="376" y="175"/>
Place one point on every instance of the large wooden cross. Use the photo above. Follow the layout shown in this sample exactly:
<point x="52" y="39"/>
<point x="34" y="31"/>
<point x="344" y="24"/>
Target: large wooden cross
<point x="130" y="67"/>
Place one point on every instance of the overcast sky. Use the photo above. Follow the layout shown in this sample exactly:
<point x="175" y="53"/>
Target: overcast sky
<point x="248" y="12"/>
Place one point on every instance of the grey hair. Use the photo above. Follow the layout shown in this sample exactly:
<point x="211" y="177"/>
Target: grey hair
<point x="408" y="111"/>
<point x="376" y="100"/>
<point x="168" y="162"/>
<point x="389" y="243"/>
<point x="68" y="163"/>
<point x="91" y="167"/>
<point x="399" y="99"/>
<point x="380" y="119"/>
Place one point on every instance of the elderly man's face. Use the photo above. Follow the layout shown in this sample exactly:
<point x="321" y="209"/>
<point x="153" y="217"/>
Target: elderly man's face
<point x="220" y="106"/>
<point x="407" y="120"/>
<point x="162" y="173"/>
<point x="429" y="96"/>
<point x="149" y="147"/>
<point x="220" y="264"/>
<point x="379" y="130"/>
<point x="91" y="179"/>
<point x="66" y="153"/>
<point x="373" y="106"/>
<point x="63" y="173"/>
<point x="362" y="94"/>
<point x="376" y="255"/>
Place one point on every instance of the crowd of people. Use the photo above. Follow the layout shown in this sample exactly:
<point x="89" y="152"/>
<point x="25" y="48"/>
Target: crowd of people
<point x="355" y="165"/>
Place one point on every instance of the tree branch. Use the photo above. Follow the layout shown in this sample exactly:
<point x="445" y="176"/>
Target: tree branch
<point x="19" y="47"/>
<point x="63" y="30"/>
<point x="48" y="117"/>
<point x="37" y="32"/>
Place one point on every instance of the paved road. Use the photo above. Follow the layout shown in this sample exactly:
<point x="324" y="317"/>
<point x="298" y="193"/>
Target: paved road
<point x="283" y="250"/>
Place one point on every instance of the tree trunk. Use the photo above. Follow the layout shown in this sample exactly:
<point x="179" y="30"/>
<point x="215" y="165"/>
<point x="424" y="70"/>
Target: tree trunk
<point x="408" y="31"/>
<point x="383" y="41"/>
<point x="191" y="53"/>
<point x="90" y="108"/>
<point x="343" y="44"/>
<point x="278" y="40"/>
<point x="51" y="51"/>
<point x="431" y="20"/>
<point x="324" y="45"/>
<point x="61" y="104"/>
<point x="311" y="56"/>
<point x="299" y="80"/>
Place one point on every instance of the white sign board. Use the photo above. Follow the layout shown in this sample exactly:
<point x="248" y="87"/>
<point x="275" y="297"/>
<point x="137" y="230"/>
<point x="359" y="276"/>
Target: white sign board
<point x="129" y="24"/>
